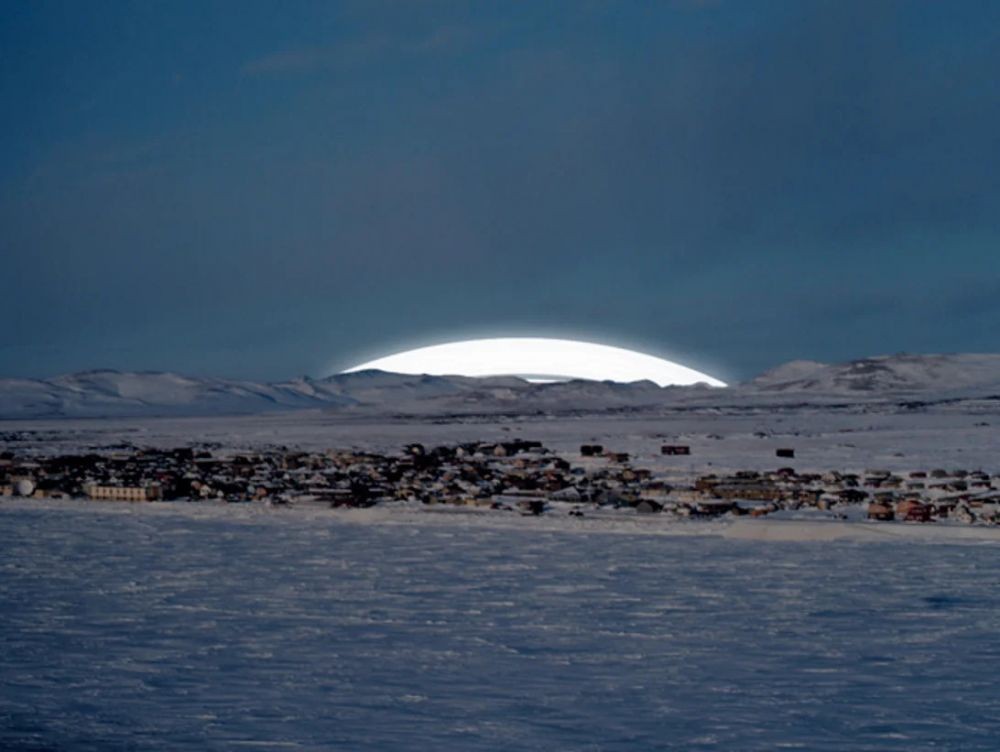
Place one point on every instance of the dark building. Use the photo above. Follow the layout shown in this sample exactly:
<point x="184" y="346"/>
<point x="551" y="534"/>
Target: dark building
<point x="675" y="449"/>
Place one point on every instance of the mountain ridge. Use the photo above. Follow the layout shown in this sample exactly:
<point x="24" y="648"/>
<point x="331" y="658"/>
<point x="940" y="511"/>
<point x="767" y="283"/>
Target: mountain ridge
<point x="113" y="393"/>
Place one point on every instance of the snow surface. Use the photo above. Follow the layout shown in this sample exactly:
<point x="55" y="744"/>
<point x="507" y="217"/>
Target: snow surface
<point x="207" y="627"/>
<point x="949" y="436"/>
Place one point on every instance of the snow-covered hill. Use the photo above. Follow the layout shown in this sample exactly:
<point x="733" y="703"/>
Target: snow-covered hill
<point x="887" y="374"/>
<point x="115" y="393"/>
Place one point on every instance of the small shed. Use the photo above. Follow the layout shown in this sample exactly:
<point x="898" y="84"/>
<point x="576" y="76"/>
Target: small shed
<point x="675" y="449"/>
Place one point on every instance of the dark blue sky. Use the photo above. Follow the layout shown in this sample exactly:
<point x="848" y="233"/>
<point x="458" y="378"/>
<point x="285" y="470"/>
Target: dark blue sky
<point x="270" y="189"/>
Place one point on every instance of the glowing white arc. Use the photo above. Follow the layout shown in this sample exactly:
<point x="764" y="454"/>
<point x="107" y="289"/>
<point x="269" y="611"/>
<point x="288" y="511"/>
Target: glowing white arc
<point x="539" y="359"/>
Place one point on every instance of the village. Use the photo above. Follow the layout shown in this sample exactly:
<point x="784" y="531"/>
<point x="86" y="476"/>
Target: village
<point x="511" y="476"/>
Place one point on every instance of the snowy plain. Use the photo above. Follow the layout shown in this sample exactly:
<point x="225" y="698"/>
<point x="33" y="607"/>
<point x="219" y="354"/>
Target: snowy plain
<point x="210" y="627"/>
<point x="881" y="436"/>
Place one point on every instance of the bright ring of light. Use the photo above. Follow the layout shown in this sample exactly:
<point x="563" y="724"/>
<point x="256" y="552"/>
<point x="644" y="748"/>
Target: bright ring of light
<point x="538" y="359"/>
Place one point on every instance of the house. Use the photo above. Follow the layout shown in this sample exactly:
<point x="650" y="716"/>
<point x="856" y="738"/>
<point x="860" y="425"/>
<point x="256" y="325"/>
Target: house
<point x="880" y="512"/>
<point x="122" y="493"/>
<point x="852" y="495"/>
<point x="675" y="449"/>
<point x="591" y="450"/>
<point x="570" y="493"/>
<point x="714" y="508"/>
<point x="913" y="511"/>
<point x="648" y="506"/>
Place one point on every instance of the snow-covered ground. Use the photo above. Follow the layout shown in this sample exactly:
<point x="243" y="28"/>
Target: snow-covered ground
<point x="823" y="439"/>
<point x="210" y="627"/>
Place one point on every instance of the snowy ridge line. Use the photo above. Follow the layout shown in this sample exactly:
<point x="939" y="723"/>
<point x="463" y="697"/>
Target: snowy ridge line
<point x="909" y="381"/>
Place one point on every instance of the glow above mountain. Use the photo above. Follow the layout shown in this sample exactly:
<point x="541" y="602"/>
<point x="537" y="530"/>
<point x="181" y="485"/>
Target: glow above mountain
<point x="538" y="359"/>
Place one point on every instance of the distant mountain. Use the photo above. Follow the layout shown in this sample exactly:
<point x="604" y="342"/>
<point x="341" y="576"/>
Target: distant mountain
<point x="886" y="374"/>
<point x="115" y="393"/>
<point x="129" y="394"/>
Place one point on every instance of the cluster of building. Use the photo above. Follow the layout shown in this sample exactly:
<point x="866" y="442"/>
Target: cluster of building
<point x="516" y="475"/>
<point x="918" y="496"/>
